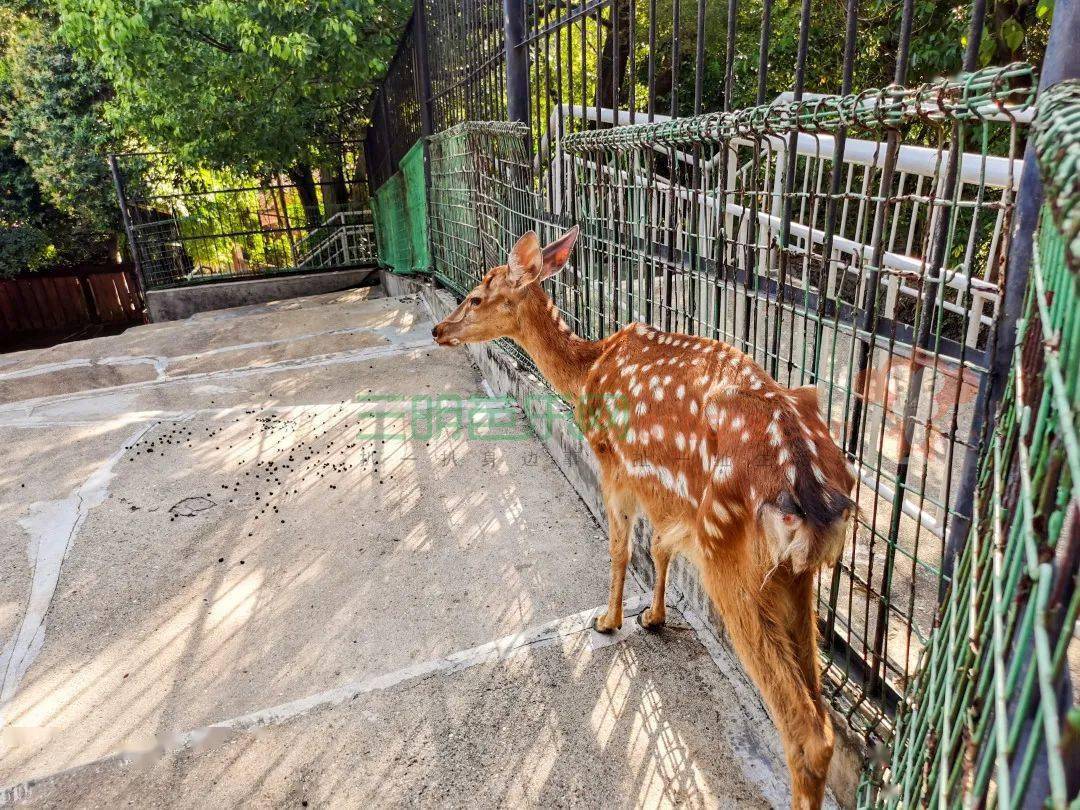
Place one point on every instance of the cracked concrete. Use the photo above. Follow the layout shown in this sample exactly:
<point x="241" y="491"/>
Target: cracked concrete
<point x="323" y="511"/>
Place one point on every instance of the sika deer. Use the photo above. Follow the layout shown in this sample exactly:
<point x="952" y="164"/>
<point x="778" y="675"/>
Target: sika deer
<point x="734" y="471"/>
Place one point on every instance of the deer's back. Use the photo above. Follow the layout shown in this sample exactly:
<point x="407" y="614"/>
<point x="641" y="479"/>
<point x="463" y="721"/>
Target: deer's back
<point x="697" y="424"/>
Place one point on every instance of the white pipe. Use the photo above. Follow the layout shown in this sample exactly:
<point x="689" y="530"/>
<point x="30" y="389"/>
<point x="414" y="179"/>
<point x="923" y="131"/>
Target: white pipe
<point x="919" y="160"/>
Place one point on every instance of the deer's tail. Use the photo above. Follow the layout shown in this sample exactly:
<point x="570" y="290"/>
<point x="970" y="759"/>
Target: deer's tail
<point x="807" y="522"/>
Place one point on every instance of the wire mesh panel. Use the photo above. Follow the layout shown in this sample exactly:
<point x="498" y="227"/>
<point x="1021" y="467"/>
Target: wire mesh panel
<point x="989" y="714"/>
<point x="191" y="225"/>
<point x="881" y="295"/>
<point x="482" y="198"/>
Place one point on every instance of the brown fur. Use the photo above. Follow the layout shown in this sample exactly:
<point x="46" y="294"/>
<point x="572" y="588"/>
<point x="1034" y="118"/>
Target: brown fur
<point x="693" y="434"/>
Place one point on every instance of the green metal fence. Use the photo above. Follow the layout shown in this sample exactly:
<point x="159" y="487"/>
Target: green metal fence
<point x="949" y="619"/>
<point x="991" y="714"/>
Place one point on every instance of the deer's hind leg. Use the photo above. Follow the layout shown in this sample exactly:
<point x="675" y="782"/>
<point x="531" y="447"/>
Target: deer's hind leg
<point x="666" y="542"/>
<point x="760" y="621"/>
<point x="621" y="506"/>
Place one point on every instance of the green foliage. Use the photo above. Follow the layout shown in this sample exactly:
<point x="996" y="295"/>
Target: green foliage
<point x="53" y="116"/>
<point x="56" y="200"/>
<point x="249" y="83"/>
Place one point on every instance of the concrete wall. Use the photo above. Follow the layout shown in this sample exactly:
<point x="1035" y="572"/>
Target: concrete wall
<point x="575" y="458"/>
<point x="181" y="302"/>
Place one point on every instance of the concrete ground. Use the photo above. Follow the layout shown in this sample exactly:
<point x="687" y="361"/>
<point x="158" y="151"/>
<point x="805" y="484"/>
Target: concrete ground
<point x="290" y="555"/>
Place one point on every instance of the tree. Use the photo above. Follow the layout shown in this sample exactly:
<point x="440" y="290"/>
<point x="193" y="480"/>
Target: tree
<point x="254" y="85"/>
<point x="57" y="204"/>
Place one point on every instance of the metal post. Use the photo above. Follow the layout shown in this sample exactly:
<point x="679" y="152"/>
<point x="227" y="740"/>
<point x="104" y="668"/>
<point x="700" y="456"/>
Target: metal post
<point x="1062" y="62"/>
<point x="423" y="70"/>
<point x="517" y="60"/>
<point x="118" y="184"/>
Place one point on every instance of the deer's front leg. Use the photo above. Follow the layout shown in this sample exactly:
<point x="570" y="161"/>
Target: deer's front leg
<point x="621" y="509"/>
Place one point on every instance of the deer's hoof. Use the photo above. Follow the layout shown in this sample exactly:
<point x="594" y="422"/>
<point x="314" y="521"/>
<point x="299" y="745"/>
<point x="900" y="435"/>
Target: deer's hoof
<point x="602" y="624"/>
<point x="648" y="621"/>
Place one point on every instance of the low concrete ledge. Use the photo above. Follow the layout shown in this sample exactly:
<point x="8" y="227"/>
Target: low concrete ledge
<point x="177" y="303"/>
<point x="550" y="419"/>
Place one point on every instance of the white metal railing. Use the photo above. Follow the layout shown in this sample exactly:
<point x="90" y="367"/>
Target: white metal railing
<point x="346" y="238"/>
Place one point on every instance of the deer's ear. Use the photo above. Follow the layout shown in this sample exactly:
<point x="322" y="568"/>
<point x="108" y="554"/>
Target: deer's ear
<point x="526" y="259"/>
<point x="557" y="254"/>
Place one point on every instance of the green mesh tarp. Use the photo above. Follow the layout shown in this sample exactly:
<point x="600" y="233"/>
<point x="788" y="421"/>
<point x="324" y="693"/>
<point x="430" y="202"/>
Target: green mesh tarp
<point x="401" y="216"/>
<point x="412" y="169"/>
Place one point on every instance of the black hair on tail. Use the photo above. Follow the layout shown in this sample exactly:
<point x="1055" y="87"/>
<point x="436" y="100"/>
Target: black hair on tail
<point x="822" y="505"/>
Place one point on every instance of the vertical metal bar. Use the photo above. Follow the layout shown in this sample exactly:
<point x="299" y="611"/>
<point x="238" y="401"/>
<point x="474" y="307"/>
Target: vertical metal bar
<point x="792" y="159"/>
<point x="752" y="252"/>
<point x="877" y="242"/>
<point x="423" y="71"/>
<point x="651" y="108"/>
<point x="517" y="60"/>
<point x="729" y="54"/>
<point x="839" y="142"/>
<point x="121" y="196"/>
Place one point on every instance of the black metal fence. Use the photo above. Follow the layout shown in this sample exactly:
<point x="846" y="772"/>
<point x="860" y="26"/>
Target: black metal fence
<point x="736" y="176"/>
<point x="188" y="225"/>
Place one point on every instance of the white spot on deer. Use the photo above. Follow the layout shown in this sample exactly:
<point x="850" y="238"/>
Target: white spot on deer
<point x="641" y="408"/>
<point x="671" y="482"/>
<point x="680" y="441"/>
<point x="721" y="512"/>
<point x="737" y="423"/>
<point x="636" y="390"/>
<point x="693" y="407"/>
<point x="745" y="436"/>
<point x="680" y="392"/>
<point x="631" y="436"/>
<point x="693" y="442"/>
<point x="706" y="459"/>
<point x="783" y="456"/>
<point x="790" y="473"/>
<point x="722" y="469"/>
<point x="775" y="437"/>
<point x="667" y="379"/>
<point x="711" y="413"/>
<point x="710" y="527"/>
<point x="818" y="474"/>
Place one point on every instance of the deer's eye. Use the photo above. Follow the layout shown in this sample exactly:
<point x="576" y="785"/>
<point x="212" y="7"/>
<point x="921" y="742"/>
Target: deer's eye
<point x="476" y="300"/>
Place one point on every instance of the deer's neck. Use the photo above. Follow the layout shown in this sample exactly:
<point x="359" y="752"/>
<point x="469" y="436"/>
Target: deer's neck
<point x="562" y="357"/>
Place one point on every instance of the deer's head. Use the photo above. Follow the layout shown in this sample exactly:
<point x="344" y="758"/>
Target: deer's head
<point x="493" y="308"/>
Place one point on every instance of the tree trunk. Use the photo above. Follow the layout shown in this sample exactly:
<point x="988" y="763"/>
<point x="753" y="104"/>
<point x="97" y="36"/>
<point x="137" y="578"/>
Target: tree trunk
<point x="304" y="180"/>
<point x="605" y="89"/>
<point x="335" y="195"/>
<point x="359" y="193"/>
